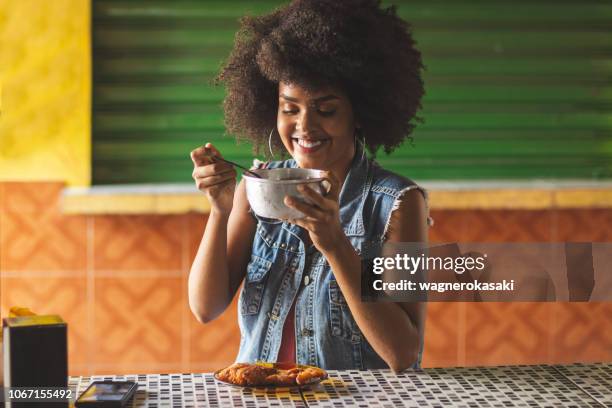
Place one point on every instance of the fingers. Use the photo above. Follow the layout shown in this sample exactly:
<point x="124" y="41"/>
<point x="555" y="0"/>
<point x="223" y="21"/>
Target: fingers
<point x="334" y="189"/>
<point x="203" y="155"/>
<point x="296" y="222"/>
<point x="321" y="209"/>
<point x="215" y="190"/>
<point x="212" y="149"/>
<point x="205" y="166"/>
<point x="200" y="157"/>
<point x="324" y="201"/>
<point x="301" y="222"/>
<point x="212" y="170"/>
<point x="307" y="209"/>
<point x="308" y="223"/>
<point x="312" y="195"/>
<point x="207" y="172"/>
<point x="212" y="174"/>
<point x="210" y="181"/>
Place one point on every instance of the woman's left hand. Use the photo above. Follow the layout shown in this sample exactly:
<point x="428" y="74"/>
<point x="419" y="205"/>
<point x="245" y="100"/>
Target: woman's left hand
<point x="322" y="217"/>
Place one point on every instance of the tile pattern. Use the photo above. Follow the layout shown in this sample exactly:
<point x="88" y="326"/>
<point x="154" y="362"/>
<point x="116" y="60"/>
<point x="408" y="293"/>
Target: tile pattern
<point x="444" y="323"/>
<point x="121" y="282"/>
<point x="137" y="320"/>
<point x="580" y="226"/>
<point x="581" y="332"/>
<point x="507" y="333"/>
<point x="492" y="226"/>
<point x="57" y="295"/>
<point x="34" y="235"/>
<point x="518" y="386"/>
<point x="448" y="226"/>
<point x="194" y="390"/>
<point x="214" y="344"/>
<point x="511" y="386"/>
<point x="595" y="379"/>
<point x="137" y="243"/>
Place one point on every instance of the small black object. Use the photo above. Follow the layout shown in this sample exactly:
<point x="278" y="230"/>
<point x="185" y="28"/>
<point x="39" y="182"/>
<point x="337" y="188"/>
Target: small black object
<point x="107" y="394"/>
<point x="35" y="354"/>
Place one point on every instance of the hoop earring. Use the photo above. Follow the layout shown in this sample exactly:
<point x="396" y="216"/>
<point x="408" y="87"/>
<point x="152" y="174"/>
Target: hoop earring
<point x="361" y="141"/>
<point x="270" y="144"/>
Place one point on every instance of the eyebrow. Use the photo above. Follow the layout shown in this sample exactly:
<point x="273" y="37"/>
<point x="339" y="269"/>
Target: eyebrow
<point x="319" y="99"/>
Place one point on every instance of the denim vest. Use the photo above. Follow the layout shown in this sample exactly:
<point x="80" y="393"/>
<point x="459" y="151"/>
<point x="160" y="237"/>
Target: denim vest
<point x="282" y="269"/>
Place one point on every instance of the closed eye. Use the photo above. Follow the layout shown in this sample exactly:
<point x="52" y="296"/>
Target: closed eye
<point x="321" y="112"/>
<point x="327" y="113"/>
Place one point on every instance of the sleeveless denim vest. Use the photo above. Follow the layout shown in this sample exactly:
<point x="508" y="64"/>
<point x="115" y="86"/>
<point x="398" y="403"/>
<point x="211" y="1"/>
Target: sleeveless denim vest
<point x="282" y="269"/>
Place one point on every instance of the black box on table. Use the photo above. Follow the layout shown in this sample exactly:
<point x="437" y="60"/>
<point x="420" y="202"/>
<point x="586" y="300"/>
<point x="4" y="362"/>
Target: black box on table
<point x="35" y="352"/>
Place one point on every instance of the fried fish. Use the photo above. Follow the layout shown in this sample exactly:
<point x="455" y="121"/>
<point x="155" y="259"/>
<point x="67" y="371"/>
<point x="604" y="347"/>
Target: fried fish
<point x="263" y="374"/>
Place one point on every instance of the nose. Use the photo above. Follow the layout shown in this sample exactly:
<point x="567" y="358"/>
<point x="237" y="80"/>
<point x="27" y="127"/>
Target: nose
<point x="306" y="122"/>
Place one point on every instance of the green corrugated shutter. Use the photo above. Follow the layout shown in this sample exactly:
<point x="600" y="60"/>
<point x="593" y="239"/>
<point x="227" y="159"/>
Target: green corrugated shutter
<point x="514" y="89"/>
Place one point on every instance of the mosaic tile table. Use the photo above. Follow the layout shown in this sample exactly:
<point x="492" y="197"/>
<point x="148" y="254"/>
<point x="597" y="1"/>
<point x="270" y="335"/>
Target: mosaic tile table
<point x="513" y="386"/>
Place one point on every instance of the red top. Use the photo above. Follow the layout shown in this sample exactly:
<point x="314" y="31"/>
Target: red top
<point x="286" y="353"/>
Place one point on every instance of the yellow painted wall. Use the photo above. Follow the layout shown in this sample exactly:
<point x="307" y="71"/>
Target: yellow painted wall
<point x="45" y="82"/>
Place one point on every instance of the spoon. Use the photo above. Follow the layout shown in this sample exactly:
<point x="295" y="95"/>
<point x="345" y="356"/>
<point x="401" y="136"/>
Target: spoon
<point x="249" y="172"/>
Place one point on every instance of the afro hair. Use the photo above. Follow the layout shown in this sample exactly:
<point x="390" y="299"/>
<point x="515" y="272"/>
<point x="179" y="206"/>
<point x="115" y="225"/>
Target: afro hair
<point x="355" y="45"/>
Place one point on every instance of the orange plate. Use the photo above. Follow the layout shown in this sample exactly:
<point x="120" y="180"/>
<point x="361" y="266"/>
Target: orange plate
<point x="282" y="366"/>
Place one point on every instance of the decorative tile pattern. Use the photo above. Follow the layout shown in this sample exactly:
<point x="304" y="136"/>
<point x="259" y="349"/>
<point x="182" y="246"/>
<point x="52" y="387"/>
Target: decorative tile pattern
<point x="582" y="332"/>
<point x="138" y="323"/>
<point x="194" y="390"/>
<point x="448" y="226"/>
<point x="507" y="226"/>
<point x="459" y="387"/>
<point x="442" y="329"/>
<point x="137" y="243"/>
<point x="594" y="379"/>
<point x="195" y="225"/>
<point x="31" y="197"/>
<point x="35" y="235"/>
<point x="66" y="297"/>
<point x="507" y="333"/>
<point x="213" y="345"/>
<point x="512" y="386"/>
<point x="583" y="225"/>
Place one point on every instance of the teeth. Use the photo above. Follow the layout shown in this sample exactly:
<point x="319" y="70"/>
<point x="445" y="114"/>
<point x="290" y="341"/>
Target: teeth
<point x="308" y="144"/>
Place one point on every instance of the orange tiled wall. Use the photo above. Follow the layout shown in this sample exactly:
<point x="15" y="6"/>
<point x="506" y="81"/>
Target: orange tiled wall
<point x="120" y="282"/>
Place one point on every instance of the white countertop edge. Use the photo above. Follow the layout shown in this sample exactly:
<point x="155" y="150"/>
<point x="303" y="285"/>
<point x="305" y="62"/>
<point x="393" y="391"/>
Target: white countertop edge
<point x="534" y="184"/>
<point x="133" y="189"/>
<point x="437" y="185"/>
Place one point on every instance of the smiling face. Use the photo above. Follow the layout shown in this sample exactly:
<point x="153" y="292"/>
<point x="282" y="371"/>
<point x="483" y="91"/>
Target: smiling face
<point x="317" y="127"/>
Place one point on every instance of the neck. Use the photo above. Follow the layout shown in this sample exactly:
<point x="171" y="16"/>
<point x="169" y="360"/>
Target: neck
<point x="341" y="169"/>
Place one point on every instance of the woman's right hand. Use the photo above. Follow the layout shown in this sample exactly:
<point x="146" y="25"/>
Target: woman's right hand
<point x="216" y="179"/>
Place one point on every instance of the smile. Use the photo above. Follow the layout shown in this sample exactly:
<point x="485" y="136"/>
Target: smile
<point x="308" y="146"/>
<point x="307" y="143"/>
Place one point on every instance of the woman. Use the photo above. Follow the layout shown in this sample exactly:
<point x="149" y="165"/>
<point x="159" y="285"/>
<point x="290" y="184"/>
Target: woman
<point x="322" y="81"/>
